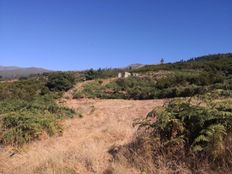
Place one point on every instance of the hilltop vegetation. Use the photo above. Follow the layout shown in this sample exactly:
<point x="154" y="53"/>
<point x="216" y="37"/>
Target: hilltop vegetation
<point x="193" y="77"/>
<point x="217" y="63"/>
<point x="177" y="84"/>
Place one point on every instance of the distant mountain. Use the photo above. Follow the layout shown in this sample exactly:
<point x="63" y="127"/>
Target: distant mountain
<point x="14" y="72"/>
<point x="135" y="66"/>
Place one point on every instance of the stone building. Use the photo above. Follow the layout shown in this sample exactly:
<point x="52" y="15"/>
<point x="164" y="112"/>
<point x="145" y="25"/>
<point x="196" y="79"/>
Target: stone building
<point x="127" y="74"/>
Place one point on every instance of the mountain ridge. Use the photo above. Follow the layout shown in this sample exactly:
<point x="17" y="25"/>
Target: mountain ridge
<point x="15" y="71"/>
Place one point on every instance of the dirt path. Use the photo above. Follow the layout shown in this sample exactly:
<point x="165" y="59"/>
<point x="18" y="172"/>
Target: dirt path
<point x="84" y="146"/>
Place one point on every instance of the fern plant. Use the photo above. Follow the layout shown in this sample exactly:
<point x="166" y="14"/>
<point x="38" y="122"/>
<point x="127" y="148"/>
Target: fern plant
<point x="211" y="140"/>
<point x="202" y="128"/>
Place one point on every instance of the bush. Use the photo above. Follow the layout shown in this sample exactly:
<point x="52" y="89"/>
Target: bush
<point x="23" y="127"/>
<point x="203" y="130"/>
<point x="100" y="73"/>
<point x="28" y="110"/>
<point x="22" y="121"/>
<point x="60" y="81"/>
<point x="174" y="85"/>
<point x="23" y="89"/>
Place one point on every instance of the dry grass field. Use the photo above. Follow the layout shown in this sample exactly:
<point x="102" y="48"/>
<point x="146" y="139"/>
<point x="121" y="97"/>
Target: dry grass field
<point x="84" y="146"/>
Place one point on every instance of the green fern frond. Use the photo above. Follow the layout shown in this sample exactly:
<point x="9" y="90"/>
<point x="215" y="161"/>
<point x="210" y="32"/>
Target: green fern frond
<point x="201" y="138"/>
<point x="197" y="148"/>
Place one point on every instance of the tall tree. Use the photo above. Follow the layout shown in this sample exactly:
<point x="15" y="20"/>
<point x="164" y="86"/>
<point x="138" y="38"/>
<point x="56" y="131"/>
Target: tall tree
<point x="162" y="61"/>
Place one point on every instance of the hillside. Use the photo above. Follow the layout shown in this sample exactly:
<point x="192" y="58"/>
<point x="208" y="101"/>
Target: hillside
<point x="181" y="79"/>
<point x="14" y="72"/>
<point x="168" y="118"/>
<point x="215" y="62"/>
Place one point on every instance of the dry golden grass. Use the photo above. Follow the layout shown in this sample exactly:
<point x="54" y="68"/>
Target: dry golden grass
<point x="84" y="146"/>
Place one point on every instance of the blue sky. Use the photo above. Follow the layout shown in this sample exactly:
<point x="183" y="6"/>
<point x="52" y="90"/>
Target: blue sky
<point x="82" y="34"/>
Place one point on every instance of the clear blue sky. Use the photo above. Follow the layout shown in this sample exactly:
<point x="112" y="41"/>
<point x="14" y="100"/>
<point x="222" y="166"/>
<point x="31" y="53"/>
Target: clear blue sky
<point x="81" y="34"/>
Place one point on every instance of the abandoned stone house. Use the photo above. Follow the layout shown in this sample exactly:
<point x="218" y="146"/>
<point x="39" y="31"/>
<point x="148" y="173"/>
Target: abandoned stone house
<point x="127" y="74"/>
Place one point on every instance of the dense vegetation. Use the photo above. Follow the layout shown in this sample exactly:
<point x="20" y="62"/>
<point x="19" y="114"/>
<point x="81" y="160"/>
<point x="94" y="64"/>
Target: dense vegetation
<point x="194" y="132"/>
<point x="217" y="63"/>
<point x="186" y="135"/>
<point x="178" y="84"/>
<point x="99" y="74"/>
<point x="60" y="81"/>
<point x="28" y="109"/>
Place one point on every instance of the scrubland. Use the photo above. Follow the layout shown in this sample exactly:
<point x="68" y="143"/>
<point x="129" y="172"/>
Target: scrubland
<point x="172" y="118"/>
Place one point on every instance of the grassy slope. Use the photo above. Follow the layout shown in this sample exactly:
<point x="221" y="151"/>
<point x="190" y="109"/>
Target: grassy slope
<point x="181" y="79"/>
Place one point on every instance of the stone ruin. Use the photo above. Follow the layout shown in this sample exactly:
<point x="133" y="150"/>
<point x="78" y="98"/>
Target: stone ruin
<point x="127" y="74"/>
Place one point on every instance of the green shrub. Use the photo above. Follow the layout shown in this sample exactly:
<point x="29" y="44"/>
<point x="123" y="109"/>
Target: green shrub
<point x="26" y="111"/>
<point x="174" y="85"/>
<point x="100" y="73"/>
<point x="22" y="121"/>
<point x="23" y="127"/>
<point x="23" y="89"/>
<point x="204" y="130"/>
<point x="60" y="81"/>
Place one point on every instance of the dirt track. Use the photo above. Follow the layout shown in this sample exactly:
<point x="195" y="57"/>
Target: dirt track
<point x="85" y="143"/>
